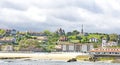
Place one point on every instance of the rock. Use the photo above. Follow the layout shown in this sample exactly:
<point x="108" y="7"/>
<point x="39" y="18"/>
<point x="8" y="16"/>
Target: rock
<point x="72" y="60"/>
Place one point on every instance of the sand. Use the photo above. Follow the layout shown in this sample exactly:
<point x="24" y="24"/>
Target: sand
<point x="44" y="56"/>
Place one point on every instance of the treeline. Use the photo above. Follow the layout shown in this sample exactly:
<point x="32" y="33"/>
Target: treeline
<point x="25" y="40"/>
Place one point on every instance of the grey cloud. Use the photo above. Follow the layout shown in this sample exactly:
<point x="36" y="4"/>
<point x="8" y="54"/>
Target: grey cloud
<point x="7" y="4"/>
<point x="58" y="13"/>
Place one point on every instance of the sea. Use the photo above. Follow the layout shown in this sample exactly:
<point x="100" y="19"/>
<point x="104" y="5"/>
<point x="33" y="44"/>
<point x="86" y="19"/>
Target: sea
<point x="50" y="62"/>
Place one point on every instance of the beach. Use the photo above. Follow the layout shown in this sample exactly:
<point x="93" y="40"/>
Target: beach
<point x="43" y="56"/>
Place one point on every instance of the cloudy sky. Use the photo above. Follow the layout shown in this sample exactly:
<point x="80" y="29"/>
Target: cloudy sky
<point x="38" y="15"/>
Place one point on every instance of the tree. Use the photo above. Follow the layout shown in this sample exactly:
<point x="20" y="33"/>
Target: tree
<point x="29" y="42"/>
<point x="84" y="39"/>
<point x="75" y="32"/>
<point x="69" y="33"/>
<point x="2" y="32"/>
<point x="47" y="32"/>
<point x="113" y="37"/>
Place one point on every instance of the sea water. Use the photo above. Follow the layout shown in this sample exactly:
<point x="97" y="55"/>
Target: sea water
<point x="50" y="62"/>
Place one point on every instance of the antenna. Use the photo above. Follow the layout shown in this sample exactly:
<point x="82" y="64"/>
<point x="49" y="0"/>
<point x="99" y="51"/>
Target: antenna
<point x="82" y="29"/>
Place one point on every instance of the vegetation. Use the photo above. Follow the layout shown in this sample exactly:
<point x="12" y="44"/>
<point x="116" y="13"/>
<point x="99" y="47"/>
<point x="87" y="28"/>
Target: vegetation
<point x="24" y="40"/>
<point x="83" y="57"/>
<point x="2" y="32"/>
<point x="106" y="58"/>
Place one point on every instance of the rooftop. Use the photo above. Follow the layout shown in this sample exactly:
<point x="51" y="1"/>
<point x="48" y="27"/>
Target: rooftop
<point x="106" y="50"/>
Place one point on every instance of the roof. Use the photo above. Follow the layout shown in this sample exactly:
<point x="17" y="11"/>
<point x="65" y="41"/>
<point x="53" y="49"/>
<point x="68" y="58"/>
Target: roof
<point x="105" y="50"/>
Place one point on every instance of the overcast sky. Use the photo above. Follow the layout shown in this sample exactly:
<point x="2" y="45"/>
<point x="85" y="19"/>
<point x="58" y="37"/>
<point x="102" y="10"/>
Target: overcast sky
<point x="38" y="15"/>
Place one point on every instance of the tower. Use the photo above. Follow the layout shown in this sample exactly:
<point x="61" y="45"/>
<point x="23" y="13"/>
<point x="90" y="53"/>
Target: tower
<point x="82" y="29"/>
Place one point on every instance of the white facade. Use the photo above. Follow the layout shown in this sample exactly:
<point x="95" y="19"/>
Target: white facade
<point x="84" y="48"/>
<point x="112" y="44"/>
<point x="76" y="47"/>
<point x="93" y="40"/>
<point x="71" y="48"/>
<point x="104" y="42"/>
<point x="64" y="47"/>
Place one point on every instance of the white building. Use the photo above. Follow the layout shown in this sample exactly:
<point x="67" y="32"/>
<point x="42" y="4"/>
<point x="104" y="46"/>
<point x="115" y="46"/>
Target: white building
<point x="93" y="40"/>
<point x="74" y="47"/>
<point x="106" y="44"/>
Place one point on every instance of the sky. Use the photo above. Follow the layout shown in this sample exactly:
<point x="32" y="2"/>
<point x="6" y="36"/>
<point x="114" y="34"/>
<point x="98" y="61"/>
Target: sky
<point x="38" y="15"/>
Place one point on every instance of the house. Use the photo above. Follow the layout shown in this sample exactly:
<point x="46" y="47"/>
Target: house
<point x="42" y="38"/>
<point x="93" y="40"/>
<point x="11" y="32"/>
<point x="107" y="44"/>
<point x="7" y="40"/>
<point x="104" y="42"/>
<point x="112" y="44"/>
<point x="63" y="38"/>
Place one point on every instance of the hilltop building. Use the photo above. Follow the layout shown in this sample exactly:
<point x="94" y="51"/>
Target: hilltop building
<point x="63" y="38"/>
<point x="60" y="32"/>
<point x="93" y="40"/>
<point x="35" y="33"/>
<point x="82" y="32"/>
<point x="7" y="40"/>
<point x="10" y="32"/>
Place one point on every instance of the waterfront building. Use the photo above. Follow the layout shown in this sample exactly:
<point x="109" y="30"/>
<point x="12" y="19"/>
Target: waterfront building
<point x="105" y="51"/>
<point x="77" y="47"/>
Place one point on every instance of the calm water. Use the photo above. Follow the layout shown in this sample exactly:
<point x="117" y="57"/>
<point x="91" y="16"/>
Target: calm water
<point x="48" y="62"/>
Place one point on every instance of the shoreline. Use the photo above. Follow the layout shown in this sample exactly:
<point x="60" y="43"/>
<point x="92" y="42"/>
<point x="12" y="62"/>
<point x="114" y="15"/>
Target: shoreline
<point x="61" y="56"/>
<point x="45" y="56"/>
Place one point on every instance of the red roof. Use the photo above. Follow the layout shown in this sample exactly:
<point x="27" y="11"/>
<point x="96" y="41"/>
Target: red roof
<point x="106" y="50"/>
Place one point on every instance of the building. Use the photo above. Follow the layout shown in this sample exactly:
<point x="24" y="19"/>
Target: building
<point x="60" y="31"/>
<point x="104" y="42"/>
<point x="7" y="40"/>
<point x="42" y="38"/>
<point x="93" y="40"/>
<point x="74" y="47"/>
<point x="63" y="38"/>
<point x="36" y="33"/>
<point x="10" y="32"/>
<point x="105" y="51"/>
<point x="107" y="44"/>
<point x="112" y="44"/>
